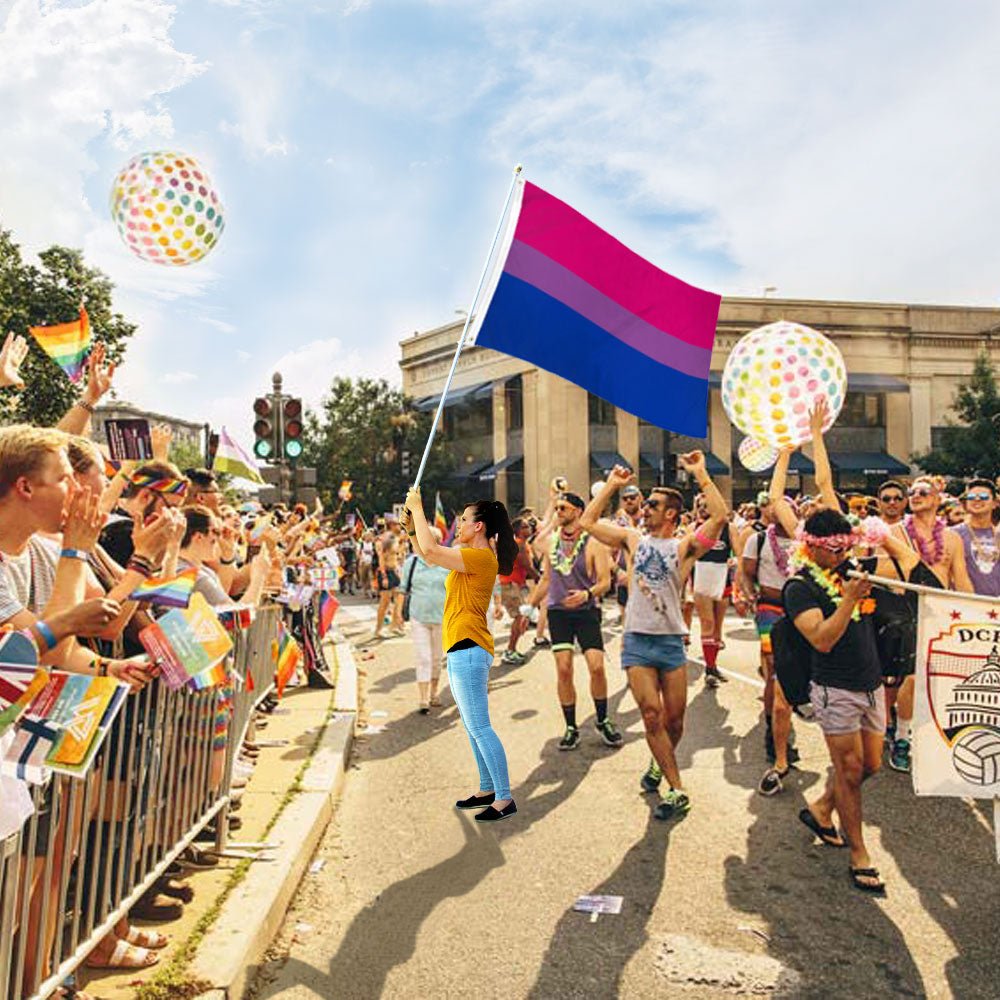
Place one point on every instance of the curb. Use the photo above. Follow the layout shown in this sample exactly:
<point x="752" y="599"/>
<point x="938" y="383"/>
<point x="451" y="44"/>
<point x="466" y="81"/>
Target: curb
<point x="233" y="947"/>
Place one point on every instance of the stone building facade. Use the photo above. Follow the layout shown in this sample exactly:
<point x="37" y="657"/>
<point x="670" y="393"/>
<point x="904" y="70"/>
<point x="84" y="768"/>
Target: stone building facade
<point x="512" y="426"/>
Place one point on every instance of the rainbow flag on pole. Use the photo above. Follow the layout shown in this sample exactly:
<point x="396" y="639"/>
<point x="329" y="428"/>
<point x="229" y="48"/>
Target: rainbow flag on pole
<point x="440" y="521"/>
<point x="172" y="591"/>
<point x="570" y="298"/>
<point x="328" y="605"/>
<point x="67" y="344"/>
<point x="287" y="654"/>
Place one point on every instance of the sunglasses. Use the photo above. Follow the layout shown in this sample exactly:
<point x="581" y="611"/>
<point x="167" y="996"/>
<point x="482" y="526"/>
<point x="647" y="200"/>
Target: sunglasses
<point x="920" y="491"/>
<point x="560" y="507"/>
<point x="655" y="504"/>
<point x="892" y="498"/>
<point x="984" y="495"/>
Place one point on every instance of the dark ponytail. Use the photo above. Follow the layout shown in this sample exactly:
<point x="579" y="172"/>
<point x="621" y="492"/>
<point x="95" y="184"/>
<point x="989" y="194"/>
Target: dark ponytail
<point x="494" y="516"/>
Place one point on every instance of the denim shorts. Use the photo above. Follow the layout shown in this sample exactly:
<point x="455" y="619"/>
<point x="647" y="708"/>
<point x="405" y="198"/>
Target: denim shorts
<point x="840" y="712"/>
<point x="642" y="649"/>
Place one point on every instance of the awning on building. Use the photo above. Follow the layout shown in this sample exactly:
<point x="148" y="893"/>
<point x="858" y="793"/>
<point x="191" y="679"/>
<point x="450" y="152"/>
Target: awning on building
<point x="490" y="472"/>
<point x="464" y="394"/>
<point x="859" y="382"/>
<point x="650" y="458"/>
<point x="607" y="460"/>
<point x="802" y="464"/>
<point x="461" y="475"/>
<point x="714" y="465"/>
<point x="868" y="463"/>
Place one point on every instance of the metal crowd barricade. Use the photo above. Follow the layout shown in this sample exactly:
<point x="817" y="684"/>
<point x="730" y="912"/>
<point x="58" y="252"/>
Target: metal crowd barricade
<point x="95" y="845"/>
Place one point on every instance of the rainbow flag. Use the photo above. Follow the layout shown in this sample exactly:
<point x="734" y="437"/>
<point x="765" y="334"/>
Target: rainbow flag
<point x="67" y="344"/>
<point x="328" y="605"/>
<point x="440" y="521"/>
<point x="215" y="676"/>
<point x="286" y="653"/>
<point x="171" y="591"/>
<point x="570" y="298"/>
<point x="452" y="531"/>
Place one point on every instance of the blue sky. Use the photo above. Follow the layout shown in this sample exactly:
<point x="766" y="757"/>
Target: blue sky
<point x="363" y="148"/>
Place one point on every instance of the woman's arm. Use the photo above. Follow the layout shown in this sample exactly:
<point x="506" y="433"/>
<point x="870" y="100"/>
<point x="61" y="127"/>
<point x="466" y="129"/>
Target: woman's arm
<point x="782" y="509"/>
<point x="432" y="552"/>
<point x="824" y="474"/>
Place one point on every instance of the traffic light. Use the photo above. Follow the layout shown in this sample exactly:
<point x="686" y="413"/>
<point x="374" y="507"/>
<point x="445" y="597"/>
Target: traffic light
<point x="404" y="463"/>
<point x="292" y="416"/>
<point x="213" y="447"/>
<point x="264" y="428"/>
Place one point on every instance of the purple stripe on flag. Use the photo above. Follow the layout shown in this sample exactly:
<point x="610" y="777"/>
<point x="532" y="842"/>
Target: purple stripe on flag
<point x="572" y="240"/>
<point x="571" y="290"/>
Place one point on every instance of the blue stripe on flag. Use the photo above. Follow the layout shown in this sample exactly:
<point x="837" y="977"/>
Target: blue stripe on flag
<point x="528" y="324"/>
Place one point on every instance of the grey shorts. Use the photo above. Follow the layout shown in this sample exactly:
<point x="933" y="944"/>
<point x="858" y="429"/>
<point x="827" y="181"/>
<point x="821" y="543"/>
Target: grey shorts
<point x="840" y="712"/>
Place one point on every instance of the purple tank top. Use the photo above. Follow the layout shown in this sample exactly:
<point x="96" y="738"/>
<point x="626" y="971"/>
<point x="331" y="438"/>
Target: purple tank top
<point x="982" y="559"/>
<point x="575" y="578"/>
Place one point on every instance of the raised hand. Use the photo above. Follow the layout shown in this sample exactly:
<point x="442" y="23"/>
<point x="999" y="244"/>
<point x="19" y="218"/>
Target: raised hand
<point x="693" y="461"/>
<point x="99" y="375"/>
<point x="818" y="416"/>
<point x="620" y="476"/>
<point x="161" y="435"/>
<point x="13" y="352"/>
<point x="82" y="521"/>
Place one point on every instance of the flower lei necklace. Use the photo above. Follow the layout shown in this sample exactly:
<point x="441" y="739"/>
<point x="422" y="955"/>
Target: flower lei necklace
<point x="561" y="562"/>
<point x="930" y="556"/>
<point x="780" y="554"/>
<point x="832" y="585"/>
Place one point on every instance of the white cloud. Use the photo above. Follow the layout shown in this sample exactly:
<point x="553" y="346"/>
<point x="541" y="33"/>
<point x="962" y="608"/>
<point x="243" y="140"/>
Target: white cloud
<point x="355" y="7"/>
<point x="220" y="324"/>
<point x="243" y="356"/>
<point x="178" y="378"/>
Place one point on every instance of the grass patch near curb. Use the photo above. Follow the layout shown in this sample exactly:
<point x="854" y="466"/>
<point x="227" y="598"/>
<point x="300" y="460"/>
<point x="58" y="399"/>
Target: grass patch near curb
<point x="172" y="982"/>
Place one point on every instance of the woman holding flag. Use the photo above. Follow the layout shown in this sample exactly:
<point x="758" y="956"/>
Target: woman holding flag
<point x="485" y="544"/>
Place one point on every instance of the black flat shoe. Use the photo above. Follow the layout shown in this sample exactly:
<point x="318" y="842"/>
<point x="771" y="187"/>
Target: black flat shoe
<point x="490" y="815"/>
<point x="476" y="801"/>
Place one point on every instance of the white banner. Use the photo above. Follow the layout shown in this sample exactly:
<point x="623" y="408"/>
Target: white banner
<point x="956" y="719"/>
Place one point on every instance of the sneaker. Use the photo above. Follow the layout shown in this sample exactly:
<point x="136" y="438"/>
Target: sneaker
<point x="650" y="781"/>
<point x="571" y="739"/>
<point x="713" y="677"/>
<point x="771" y="784"/>
<point x="610" y="734"/>
<point x="674" y="804"/>
<point x="514" y="658"/>
<point x="542" y="643"/>
<point x="899" y="758"/>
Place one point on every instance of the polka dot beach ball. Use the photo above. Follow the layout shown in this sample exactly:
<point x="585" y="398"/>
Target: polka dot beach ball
<point x="755" y="455"/>
<point x="166" y="209"/>
<point x="773" y="377"/>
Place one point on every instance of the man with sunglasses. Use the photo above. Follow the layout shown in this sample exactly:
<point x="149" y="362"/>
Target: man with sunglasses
<point x="576" y="573"/>
<point x="892" y="502"/>
<point x="653" y="652"/>
<point x="980" y="538"/>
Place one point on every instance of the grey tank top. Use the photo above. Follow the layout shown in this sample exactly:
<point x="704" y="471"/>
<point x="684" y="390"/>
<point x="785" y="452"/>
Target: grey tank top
<point x="576" y="577"/>
<point x="654" y="593"/>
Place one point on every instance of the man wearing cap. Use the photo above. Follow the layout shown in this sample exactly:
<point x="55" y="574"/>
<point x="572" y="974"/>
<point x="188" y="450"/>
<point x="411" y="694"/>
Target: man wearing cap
<point x="576" y="573"/>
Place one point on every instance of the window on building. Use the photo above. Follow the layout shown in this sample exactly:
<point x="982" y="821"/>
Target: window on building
<point x="514" y="403"/>
<point x="600" y="411"/>
<point x="863" y="409"/>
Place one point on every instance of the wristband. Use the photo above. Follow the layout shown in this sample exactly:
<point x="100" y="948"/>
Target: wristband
<point x="227" y="562"/>
<point x="74" y="554"/>
<point x="703" y="539"/>
<point x="45" y="631"/>
<point x="142" y="568"/>
<point x="102" y="667"/>
<point x="89" y="407"/>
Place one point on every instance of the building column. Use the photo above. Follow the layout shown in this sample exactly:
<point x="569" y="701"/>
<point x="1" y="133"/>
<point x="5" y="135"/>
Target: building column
<point x="920" y="414"/>
<point x="500" y="438"/>
<point x="720" y="440"/>
<point x="534" y="488"/>
<point x="898" y="441"/>
<point x="628" y="438"/>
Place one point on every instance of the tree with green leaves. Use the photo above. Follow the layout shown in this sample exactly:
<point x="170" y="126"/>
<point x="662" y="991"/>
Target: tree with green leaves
<point x="42" y="295"/>
<point x="972" y="447"/>
<point x="361" y="434"/>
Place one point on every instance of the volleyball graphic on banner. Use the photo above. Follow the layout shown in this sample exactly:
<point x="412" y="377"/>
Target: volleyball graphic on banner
<point x="166" y="208"/>
<point x="755" y="455"/>
<point x="976" y="756"/>
<point x="773" y="378"/>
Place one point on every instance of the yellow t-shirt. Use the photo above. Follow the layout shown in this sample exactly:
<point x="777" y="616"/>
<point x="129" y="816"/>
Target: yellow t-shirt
<point x="467" y="599"/>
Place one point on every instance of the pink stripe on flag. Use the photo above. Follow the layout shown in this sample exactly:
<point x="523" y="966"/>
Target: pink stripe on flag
<point x="659" y="299"/>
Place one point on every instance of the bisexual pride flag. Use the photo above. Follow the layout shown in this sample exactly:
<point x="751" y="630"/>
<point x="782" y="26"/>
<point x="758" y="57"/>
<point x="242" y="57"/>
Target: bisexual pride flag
<point x="67" y="344"/>
<point x="570" y="298"/>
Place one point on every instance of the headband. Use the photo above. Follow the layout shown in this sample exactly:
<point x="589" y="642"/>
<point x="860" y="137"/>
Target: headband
<point x="157" y="485"/>
<point x="574" y="499"/>
<point x="831" y="542"/>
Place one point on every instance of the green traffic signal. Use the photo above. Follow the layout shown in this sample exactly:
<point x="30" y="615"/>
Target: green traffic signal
<point x="293" y="448"/>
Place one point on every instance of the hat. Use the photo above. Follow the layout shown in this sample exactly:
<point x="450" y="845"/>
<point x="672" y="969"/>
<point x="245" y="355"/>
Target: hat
<point x="630" y="491"/>
<point x="574" y="499"/>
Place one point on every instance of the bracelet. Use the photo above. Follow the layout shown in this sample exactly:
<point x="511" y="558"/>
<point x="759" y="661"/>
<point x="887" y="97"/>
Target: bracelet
<point x="227" y="562"/>
<point x="74" y="554"/>
<point x="45" y="631"/>
<point x="703" y="539"/>
<point x="102" y="667"/>
<point x="89" y="407"/>
<point x="139" y="566"/>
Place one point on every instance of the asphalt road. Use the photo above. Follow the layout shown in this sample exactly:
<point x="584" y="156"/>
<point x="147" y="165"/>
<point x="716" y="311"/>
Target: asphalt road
<point x="415" y="899"/>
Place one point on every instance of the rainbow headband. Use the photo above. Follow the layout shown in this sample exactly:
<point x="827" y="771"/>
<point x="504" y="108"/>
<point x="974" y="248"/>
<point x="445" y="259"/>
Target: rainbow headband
<point x="175" y="486"/>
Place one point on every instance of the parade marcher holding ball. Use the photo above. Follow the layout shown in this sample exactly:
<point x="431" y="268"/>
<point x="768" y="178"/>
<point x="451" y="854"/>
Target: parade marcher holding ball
<point x="485" y="545"/>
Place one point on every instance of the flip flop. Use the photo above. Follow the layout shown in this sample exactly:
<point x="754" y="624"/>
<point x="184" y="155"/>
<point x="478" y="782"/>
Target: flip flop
<point x="828" y="834"/>
<point x="878" y="889"/>
<point x="126" y="956"/>
<point x="142" y="938"/>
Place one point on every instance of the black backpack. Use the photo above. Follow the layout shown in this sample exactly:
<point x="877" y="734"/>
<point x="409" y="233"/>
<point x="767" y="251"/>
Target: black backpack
<point x="793" y="656"/>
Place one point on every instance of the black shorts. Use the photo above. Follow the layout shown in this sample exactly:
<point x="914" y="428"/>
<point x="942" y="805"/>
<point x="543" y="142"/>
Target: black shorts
<point x="583" y="626"/>
<point x="389" y="580"/>
<point x="622" y="594"/>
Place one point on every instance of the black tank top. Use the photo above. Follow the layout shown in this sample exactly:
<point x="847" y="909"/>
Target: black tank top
<point x="719" y="553"/>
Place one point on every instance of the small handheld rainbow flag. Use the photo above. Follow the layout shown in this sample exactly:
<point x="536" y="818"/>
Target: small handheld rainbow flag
<point x="440" y="521"/>
<point x="328" y="605"/>
<point x="172" y="591"/>
<point x="67" y="344"/>
<point x="287" y="654"/>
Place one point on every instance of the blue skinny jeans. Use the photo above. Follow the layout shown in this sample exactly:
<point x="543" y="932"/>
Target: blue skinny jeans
<point x="468" y="671"/>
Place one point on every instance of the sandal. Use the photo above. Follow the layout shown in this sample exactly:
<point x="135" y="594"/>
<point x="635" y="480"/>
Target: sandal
<point x="828" y="834"/>
<point x="126" y="956"/>
<point x="876" y="889"/>
<point x="150" y="907"/>
<point x="142" y="938"/>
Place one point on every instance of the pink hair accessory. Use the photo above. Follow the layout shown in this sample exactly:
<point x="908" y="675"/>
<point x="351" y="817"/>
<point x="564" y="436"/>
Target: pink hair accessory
<point x="835" y="543"/>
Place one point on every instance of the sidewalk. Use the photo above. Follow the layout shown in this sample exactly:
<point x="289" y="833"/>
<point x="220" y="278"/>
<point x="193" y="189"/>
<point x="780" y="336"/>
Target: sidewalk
<point x="287" y="802"/>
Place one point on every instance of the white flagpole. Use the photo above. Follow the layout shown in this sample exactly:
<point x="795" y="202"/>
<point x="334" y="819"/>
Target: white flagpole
<point x="884" y="581"/>
<point x="465" y="329"/>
